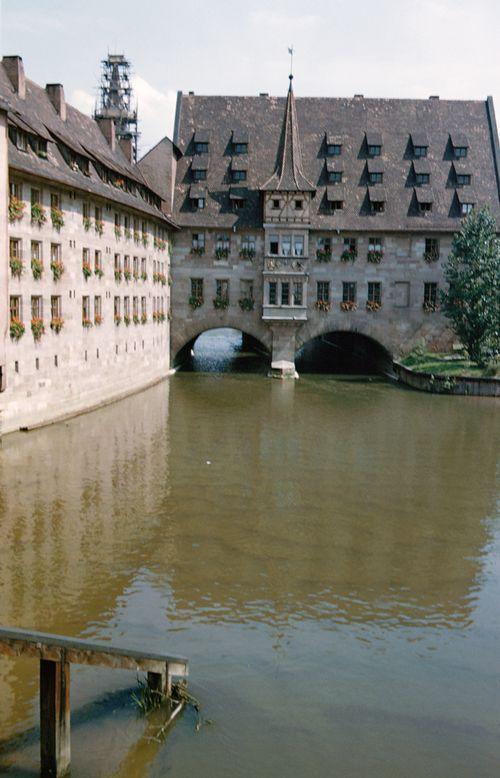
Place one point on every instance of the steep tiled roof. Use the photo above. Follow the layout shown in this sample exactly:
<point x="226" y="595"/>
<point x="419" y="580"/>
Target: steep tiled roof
<point x="398" y="124"/>
<point x="36" y="114"/>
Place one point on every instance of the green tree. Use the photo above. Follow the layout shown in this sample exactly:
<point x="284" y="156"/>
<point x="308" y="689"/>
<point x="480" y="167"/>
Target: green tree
<point x="472" y="301"/>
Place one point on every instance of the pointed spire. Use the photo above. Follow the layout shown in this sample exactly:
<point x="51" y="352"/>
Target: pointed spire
<point x="288" y="175"/>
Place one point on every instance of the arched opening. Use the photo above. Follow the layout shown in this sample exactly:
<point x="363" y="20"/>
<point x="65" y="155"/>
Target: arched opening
<point x="223" y="350"/>
<point x="349" y="353"/>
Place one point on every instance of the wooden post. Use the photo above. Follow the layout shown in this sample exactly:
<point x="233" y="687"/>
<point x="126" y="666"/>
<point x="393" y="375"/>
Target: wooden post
<point x="54" y="718"/>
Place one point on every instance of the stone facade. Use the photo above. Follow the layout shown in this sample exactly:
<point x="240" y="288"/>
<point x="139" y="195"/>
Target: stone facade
<point x="87" y="280"/>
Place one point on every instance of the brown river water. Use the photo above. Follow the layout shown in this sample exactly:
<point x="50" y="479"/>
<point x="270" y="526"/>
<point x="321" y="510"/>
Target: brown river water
<point x="326" y="553"/>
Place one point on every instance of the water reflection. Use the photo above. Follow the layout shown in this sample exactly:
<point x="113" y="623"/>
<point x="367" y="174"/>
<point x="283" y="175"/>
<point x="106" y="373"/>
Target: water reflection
<point x="225" y="350"/>
<point x="251" y="507"/>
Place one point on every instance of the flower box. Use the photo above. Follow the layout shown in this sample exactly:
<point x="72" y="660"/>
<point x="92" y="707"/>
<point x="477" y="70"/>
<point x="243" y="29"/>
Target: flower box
<point x="322" y="305"/>
<point x="348" y="255"/>
<point x="127" y="320"/>
<point x="37" y="268"/>
<point x="127" y="233"/>
<point x="87" y="223"/>
<point x="56" y="324"/>
<point x="57" y="268"/>
<point x="86" y="323"/>
<point x="137" y="237"/>
<point x="118" y="319"/>
<point x="127" y="275"/>
<point x="135" y="318"/>
<point x="99" y="226"/>
<point x="430" y="307"/>
<point x="221" y="253"/>
<point x="198" y="250"/>
<point x="348" y="305"/>
<point x="16" y="208"/>
<point x="247" y="253"/>
<point x="323" y="255"/>
<point x="16" y="266"/>
<point x="144" y="276"/>
<point x="195" y="301"/>
<point x="246" y="304"/>
<point x="375" y="257"/>
<point x="57" y="218"/>
<point x="118" y="276"/>
<point x="373" y="305"/>
<point x="118" y="232"/>
<point x="86" y="270"/>
<point x="221" y="303"/>
<point x="16" y="329"/>
<point x="144" y="318"/>
<point x="431" y="256"/>
<point x="145" y="241"/>
<point x="99" y="272"/>
<point x="97" y="319"/>
<point x="38" y="215"/>
<point x="135" y="276"/>
<point x="37" y="327"/>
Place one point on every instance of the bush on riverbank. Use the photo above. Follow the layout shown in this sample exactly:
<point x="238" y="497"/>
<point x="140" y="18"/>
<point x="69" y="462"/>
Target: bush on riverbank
<point x="444" y="364"/>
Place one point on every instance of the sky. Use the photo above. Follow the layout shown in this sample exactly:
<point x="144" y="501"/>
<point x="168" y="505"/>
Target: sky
<point x="387" y="48"/>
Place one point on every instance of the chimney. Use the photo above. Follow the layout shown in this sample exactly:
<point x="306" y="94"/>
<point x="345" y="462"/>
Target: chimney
<point x="55" y="94"/>
<point x="15" y="70"/>
<point x="107" y="127"/>
<point x="127" y="147"/>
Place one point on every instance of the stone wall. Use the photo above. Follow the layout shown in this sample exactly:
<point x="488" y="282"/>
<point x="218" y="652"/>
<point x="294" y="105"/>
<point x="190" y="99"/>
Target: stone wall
<point x="79" y="367"/>
<point x="3" y="245"/>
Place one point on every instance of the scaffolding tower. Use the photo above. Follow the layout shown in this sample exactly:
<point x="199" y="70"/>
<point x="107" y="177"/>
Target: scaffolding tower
<point x="115" y="98"/>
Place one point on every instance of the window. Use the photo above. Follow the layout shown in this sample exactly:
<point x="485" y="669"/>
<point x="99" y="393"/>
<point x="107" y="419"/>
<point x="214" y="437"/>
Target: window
<point x="431" y="249"/>
<point x="336" y="205"/>
<point x="144" y="229"/>
<point x="350" y="244"/>
<point x="16" y="189"/>
<point x="285" y="293"/>
<point x="298" y="245"/>
<point x="126" y="264"/>
<point x="425" y="207"/>
<point x="97" y="261"/>
<point x="144" y="270"/>
<point x="323" y="291"/>
<point x="55" y="252"/>
<point x="15" y="307"/>
<point x="274" y="245"/>
<point x="466" y="208"/>
<point x="286" y="245"/>
<point x="126" y="306"/>
<point x="222" y="242"/>
<point x="126" y="222"/>
<point x="97" y="213"/>
<point x="201" y="148"/>
<point x="117" y="306"/>
<point x="135" y="306"/>
<point x="375" y="244"/>
<point x="21" y="140"/>
<point x="36" y="196"/>
<point x="349" y="292"/>
<point x="136" y="267"/>
<point x="276" y="204"/>
<point x="374" y="292"/>
<point x="55" y="200"/>
<point x="460" y="152"/>
<point x="273" y="292"/>
<point x="97" y="309"/>
<point x="378" y="207"/>
<point x="85" y="308"/>
<point x="430" y="293"/>
<point x="297" y="292"/>
<point x="55" y="307"/>
<point x="117" y="263"/>
<point x="85" y="211"/>
<point x="374" y="151"/>
<point x="239" y="175"/>
<point x="422" y="178"/>
<point x="248" y="243"/>
<point x="324" y="243"/>
<point x="335" y="177"/>
<point x="299" y="205"/>
<point x="222" y="289"/>
<point x="36" y="250"/>
<point x="197" y="288"/>
<point x="198" y="203"/>
<point x="199" y="175"/>
<point x="333" y="149"/>
<point x="36" y="307"/>
<point x="246" y="287"/>
<point x="420" y="151"/>
<point x="376" y="178"/>
<point x="15" y="249"/>
<point x="117" y="221"/>
<point x="240" y="148"/>
<point x="198" y="241"/>
<point x="463" y="179"/>
<point x="238" y="203"/>
<point x="144" y="307"/>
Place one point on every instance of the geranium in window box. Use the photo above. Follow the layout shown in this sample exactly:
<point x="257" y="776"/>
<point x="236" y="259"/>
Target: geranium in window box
<point x="221" y="253"/>
<point x="155" y="316"/>
<point x="16" y="329"/>
<point x="16" y="208"/>
<point x="162" y="279"/>
<point x="373" y="305"/>
<point x="322" y="305"/>
<point x="144" y="276"/>
<point x="348" y="255"/>
<point x="137" y="237"/>
<point x="57" y="218"/>
<point x="127" y="233"/>
<point x="195" y="301"/>
<point x="246" y="304"/>
<point x="119" y="183"/>
<point x="118" y="232"/>
<point x="323" y="255"/>
<point x="247" y="253"/>
<point x="430" y="307"/>
<point x="37" y="268"/>
<point x="155" y="277"/>
<point x="37" y="327"/>
<point x="57" y="268"/>
<point x="16" y="266"/>
<point x="99" y="226"/>
<point x="97" y="319"/>
<point x="431" y="256"/>
<point x="135" y="318"/>
<point x="118" y="319"/>
<point x="144" y="318"/>
<point x="375" y="256"/>
<point x="56" y="324"/>
<point x="118" y="276"/>
<point x="145" y="241"/>
<point x="161" y="317"/>
<point x="198" y="250"/>
<point x="38" y="215"/>
<point x="87" y="223"/>
<point x="86" y="270"/>
<point x="99" y="272"/>
<point x="127" y="275"/>
<point x="127" y="320"/>
<point x="86" y="322"/>
<point x="221" y="303"/>
<point x="348" y="305"/>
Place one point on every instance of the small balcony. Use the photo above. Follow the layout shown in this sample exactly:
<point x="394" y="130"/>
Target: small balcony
<point x="296" y="265"/>
<point x="284" y="313"/>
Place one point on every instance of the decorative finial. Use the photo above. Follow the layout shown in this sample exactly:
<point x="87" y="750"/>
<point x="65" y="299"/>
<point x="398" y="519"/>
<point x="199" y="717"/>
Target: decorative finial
<point x="290" y="51"/>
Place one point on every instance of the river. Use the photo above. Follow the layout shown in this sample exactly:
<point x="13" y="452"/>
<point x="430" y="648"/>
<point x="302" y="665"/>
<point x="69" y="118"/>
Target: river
<point x="326" y="552"/>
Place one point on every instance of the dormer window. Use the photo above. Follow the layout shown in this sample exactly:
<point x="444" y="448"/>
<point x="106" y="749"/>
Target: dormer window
<point x="375" y="151"/>
<point x="299" y="205"/>
<point x="374" y="144"/>
<point x="420" y="144"/>
<point x="240" y="148"/>
<point x="463" y="179"/>
<point x="238" y="175"/>
<point x="460" y="145"/>
<point x="333" y="149"/>
<point x="460" y="152"/>
<point x="422" y="179"/>
<point x="199" y="167"/>
<point x="466" y="208"/>
<point x="377" y="199"/>
<point x="201" y="147"/>
<point x="425" y="199"/>
<point x="334" y="177"/>
<point x="21" y="140"/>
<point x="199" y="175"/>
<point x="237" y="198"/>
<point x="240" y="142"/>
<point x="376" y="178"/>
<point x="276" y="205"/>
<point x="197" y="197"/>
<point x="201" y="141"/>
<point x="420" y="151"/>
<point x="335" y="198"/>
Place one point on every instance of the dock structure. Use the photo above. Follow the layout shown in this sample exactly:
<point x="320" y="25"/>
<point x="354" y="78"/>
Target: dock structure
<point x="56" y="653"/>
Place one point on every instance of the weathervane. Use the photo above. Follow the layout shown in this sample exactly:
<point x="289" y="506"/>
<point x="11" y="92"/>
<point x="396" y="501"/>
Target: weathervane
<point x="290" y="51"/>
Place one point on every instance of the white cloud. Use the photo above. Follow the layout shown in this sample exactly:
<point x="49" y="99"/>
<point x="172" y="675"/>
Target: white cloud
<point x="284" y="21"/>
<point x="83" y="101"/>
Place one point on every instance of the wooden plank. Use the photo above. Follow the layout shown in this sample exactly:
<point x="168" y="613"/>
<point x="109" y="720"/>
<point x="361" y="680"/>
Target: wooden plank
<point x="55" y="750"/>
<point x="40" y="645"/>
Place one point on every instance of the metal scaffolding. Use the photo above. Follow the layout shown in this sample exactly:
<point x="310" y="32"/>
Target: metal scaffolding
<point x="115" y="98"/>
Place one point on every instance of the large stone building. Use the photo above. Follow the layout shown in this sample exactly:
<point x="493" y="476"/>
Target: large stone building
<point x="319" y="215"/>
<point x="84" y="275"/>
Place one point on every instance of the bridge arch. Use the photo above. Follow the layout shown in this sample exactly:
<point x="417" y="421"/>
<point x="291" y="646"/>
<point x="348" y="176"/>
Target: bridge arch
<point x="182" y="342"/>
<point x="331" y="347"/>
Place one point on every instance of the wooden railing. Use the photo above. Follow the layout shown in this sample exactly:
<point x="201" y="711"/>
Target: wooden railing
<point x="56" y="653"/>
